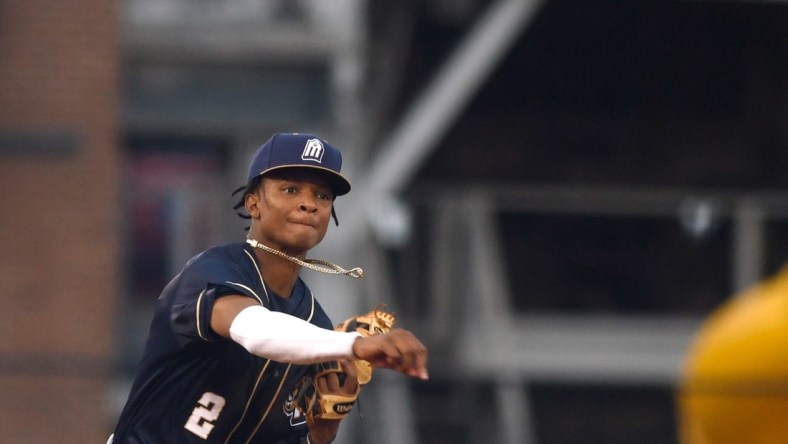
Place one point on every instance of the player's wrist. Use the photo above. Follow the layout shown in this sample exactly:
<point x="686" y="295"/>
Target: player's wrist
<point x="353" y="345"/>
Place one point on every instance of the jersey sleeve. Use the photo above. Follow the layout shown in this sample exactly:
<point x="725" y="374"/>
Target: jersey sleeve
<point x="194" y="292"/>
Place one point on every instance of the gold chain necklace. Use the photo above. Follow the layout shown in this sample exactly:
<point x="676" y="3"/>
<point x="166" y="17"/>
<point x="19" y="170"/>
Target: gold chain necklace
<point x="312" y="264"/>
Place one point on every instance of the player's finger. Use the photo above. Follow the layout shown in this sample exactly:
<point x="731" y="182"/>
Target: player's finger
<point x="349" y="368"/>
<point x="332" y="382"/>
<point x="351" y="381"/>
<point x="420" y="369"/>
<point x="322" y="384"/>
<point x="417" y="359"/>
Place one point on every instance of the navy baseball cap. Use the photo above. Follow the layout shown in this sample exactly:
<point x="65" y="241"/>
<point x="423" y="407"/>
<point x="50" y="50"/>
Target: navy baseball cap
<point x="296" y="150"/>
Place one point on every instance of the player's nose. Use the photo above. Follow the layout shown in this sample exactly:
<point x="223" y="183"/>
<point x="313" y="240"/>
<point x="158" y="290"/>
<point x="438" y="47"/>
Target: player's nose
<point x="308" y="204"/>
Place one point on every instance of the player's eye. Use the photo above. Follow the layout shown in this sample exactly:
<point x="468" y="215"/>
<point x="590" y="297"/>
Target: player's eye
<point x="290" y="189"/>
<point x="324" y="196"/>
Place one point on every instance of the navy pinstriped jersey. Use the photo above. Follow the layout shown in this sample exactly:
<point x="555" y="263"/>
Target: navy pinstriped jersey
<point x="194" y="386"/>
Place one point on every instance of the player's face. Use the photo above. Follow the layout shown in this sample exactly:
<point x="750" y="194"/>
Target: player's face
<point x="294" y="210"/>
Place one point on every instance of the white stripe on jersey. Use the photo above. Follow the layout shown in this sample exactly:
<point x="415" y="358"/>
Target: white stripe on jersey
<point x="249" y="290"/>
<point x="254" y="262"/>
<point x="197" y="314"/>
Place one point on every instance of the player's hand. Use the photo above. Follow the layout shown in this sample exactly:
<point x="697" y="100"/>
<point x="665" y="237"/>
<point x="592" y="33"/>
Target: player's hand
<point x="325" y="430"/>
<point x="398" y="350"/>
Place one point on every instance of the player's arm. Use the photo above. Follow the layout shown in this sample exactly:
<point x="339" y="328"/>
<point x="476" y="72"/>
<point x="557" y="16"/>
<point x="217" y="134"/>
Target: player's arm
<point x="286" y="338"/>
<point x="276" y="335"/>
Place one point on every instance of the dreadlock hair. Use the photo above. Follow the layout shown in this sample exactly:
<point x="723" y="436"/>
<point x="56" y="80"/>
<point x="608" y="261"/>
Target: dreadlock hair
<point x="253" y="187"/>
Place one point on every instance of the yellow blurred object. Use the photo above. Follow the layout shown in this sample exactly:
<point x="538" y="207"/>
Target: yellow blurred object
<point x="734" y="388"/>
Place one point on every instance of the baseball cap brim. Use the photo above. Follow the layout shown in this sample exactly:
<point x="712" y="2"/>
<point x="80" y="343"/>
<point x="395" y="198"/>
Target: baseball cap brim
<point x="339" y="184"/>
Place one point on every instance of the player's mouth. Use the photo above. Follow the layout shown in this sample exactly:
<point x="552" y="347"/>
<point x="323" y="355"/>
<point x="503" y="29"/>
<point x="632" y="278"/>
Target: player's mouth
<point x="307" y="223"/>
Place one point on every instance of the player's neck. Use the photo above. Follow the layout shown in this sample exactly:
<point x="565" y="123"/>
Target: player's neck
<point x="279" y="274"/>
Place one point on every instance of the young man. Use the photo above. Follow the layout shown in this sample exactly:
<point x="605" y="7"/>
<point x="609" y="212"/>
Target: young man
<point x="237" y="328"/>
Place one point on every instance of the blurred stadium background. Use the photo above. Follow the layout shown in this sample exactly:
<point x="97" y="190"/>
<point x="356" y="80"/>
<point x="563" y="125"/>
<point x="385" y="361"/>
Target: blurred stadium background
<point x="554" y="194"/>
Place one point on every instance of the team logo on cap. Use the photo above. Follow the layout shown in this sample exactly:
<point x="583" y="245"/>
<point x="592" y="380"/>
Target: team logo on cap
<point x="313" y="150"/>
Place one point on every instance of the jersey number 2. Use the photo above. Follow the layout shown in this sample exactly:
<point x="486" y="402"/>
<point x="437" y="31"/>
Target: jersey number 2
<point x="204" y="415"/>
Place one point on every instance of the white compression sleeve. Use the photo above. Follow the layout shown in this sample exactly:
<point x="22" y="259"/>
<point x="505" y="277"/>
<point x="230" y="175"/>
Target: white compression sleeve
<point x="286" y="338"/>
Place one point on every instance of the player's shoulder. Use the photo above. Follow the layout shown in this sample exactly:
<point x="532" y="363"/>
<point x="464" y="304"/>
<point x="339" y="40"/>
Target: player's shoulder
<point x="231" y="252"/>
<point x="230" y="256"/>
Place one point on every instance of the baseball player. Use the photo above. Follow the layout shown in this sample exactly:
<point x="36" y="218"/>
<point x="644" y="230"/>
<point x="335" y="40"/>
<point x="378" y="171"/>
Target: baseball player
<point x="237" y="330"/>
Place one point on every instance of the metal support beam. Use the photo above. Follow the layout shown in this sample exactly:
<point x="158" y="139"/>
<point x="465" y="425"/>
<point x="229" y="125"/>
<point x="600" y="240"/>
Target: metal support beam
<point x="516" y="422"/>
<point x="437" y="108"/>
<point x="748" y="246"/>
<point x="455" y="85"/>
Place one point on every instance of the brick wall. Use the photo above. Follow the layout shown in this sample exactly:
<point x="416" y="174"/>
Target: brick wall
<point x="58" y="218"/>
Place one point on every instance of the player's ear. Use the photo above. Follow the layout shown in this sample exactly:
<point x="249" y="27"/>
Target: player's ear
<point x="252" y="204"/>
